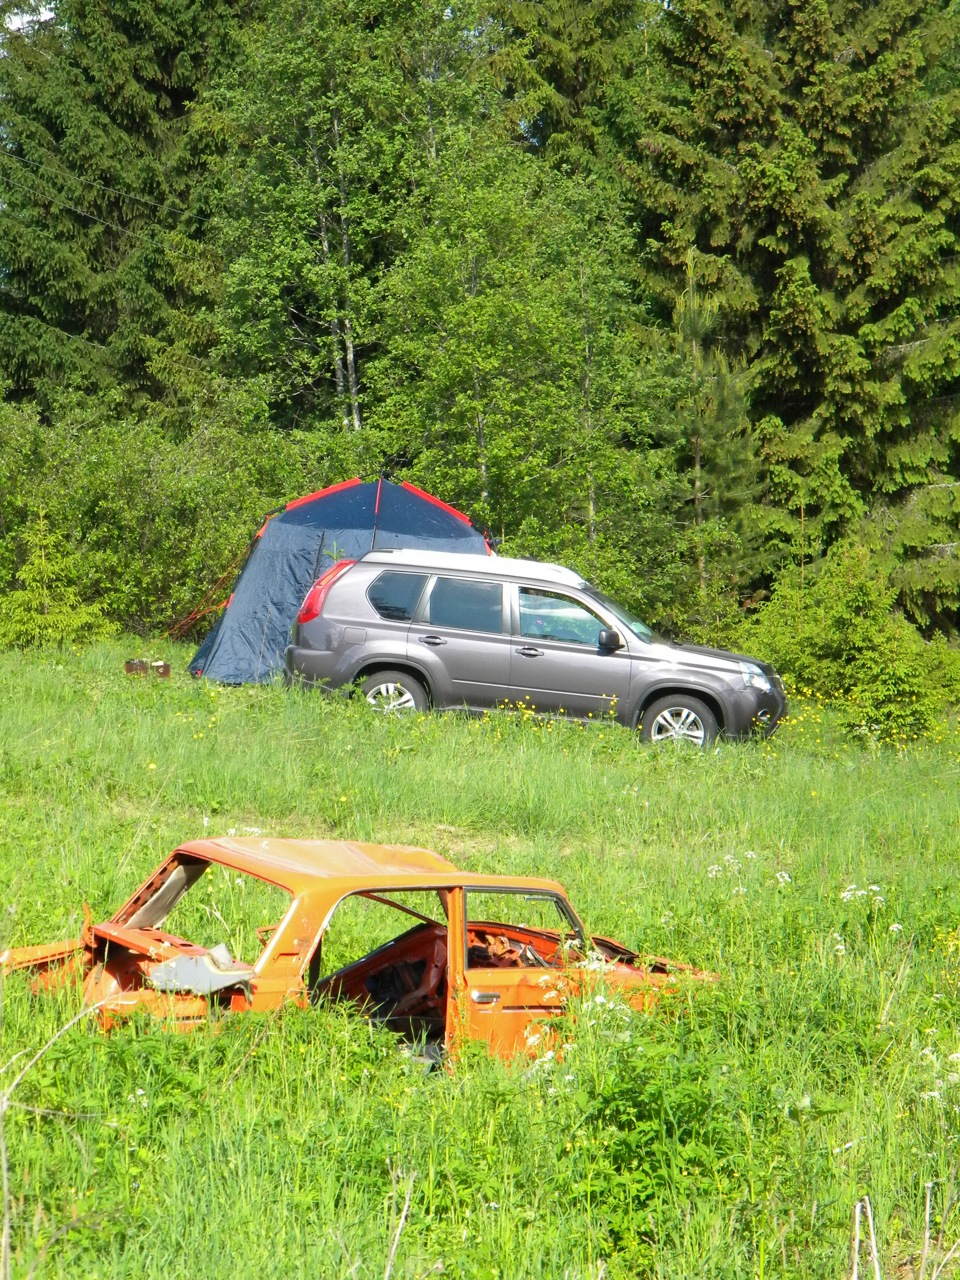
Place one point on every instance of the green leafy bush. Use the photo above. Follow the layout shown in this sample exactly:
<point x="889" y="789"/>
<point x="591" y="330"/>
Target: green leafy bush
<point x="152" y="519"/>
<point x="834" y="629"/>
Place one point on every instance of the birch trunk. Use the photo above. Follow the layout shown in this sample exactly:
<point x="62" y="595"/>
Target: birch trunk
<point x="347" y="325"/>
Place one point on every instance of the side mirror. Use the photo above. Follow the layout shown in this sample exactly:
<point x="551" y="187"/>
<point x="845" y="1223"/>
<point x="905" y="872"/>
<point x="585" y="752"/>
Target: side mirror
<point x="609" y="640"/>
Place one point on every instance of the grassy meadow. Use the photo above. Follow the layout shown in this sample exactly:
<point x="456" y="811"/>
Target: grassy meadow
<point x="730" y="1135"/>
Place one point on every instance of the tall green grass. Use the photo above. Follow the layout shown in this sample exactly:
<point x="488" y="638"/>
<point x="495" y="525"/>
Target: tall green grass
<point x="728" y="1136"/>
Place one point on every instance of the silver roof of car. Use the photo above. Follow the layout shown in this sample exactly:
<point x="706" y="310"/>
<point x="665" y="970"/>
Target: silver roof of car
<point x="498" y="566"/>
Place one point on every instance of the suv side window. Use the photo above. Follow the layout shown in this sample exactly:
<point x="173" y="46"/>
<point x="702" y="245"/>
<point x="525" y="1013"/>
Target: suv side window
<point x="466" y="605"/>
<point x="547" y="615"/>
<point x="395" y="595"/>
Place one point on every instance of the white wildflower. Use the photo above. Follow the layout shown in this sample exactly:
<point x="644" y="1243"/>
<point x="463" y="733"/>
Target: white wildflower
<point x="896" y="927"/>
<point x="783" y="877"/>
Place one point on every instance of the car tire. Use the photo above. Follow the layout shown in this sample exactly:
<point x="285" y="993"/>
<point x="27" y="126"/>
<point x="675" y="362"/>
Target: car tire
<point x="679" y="718"/>
<point x="394" y="691"/>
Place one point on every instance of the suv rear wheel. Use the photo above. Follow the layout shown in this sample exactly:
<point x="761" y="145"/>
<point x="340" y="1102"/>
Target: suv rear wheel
<point x="679" y="718"/>
<point x="390" y="691"/>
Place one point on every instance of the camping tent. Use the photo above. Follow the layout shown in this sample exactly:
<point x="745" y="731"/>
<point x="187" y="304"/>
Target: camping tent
<point x="297" y="544"/>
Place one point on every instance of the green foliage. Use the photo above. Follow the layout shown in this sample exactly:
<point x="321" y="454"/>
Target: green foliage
<point x="46" y="607"/>
<point x="151" y="521"/>
<point x="336" y="115"/>
<point x="554" y="63"/>
<point x="832" y="628"/>
<point x="663" y="1124"/>
<point x="105" y="278"/>
<point x="509" y="358"/>
<point x="802" y="161"/>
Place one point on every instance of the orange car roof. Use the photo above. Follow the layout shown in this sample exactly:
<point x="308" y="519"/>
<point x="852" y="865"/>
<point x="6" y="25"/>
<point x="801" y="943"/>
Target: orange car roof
<point x="298" y="865"/>
<point x="311" y="858"/>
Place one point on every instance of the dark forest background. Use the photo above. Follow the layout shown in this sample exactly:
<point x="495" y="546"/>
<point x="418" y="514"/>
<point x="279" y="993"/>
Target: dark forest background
<point x="667" y="293"/>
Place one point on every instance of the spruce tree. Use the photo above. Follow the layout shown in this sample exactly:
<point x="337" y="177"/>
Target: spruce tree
<point x="555" y="61"/>
<point x="103" y="205"/>
<point x="805" y="157"/>
<point x="719" y="476"/>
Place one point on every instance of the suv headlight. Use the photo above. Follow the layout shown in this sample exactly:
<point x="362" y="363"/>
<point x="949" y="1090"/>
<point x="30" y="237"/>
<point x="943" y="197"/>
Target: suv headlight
<point x="754" y="677"/>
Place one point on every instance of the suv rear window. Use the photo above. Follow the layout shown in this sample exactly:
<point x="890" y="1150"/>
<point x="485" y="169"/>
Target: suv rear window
<point x="395" y="595"/>
<point x="466" y="605"/>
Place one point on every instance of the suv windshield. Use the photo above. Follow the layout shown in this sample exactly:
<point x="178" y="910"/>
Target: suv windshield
<point x="632" y="623"/>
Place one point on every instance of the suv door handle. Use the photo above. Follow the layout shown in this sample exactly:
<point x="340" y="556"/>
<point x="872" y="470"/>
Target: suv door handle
<point x="432" y="641"/>
<point x="529" y="651"/>
<point x="484" y="997"/>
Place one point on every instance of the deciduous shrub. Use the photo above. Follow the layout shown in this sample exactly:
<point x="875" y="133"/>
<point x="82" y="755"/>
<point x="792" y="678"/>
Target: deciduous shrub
<point x="834" y="628"/>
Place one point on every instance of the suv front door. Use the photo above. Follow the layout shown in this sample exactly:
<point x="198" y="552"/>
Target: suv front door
<point x="556" y="663"/>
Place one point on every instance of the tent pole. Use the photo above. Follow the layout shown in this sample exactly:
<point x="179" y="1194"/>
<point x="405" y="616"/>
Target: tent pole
<point x="376" y="514"/>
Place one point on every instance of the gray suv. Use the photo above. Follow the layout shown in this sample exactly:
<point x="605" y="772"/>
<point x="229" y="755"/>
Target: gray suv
<point x="414" y="629"/>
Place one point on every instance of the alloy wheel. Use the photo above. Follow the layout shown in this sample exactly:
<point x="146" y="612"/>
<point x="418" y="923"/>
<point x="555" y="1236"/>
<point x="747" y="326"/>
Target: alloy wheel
<point x="390" y="696"/>
<point x="678" y="724"/>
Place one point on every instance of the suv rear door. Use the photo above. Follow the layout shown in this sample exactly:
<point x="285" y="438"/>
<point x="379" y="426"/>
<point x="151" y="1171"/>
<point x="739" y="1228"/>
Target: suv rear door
<point x="556" y="664"/>
<point x="461" y="637"/>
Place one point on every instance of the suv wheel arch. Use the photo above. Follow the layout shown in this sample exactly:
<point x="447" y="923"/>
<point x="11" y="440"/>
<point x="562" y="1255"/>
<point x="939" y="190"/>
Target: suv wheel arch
<point x="706" y="696"/>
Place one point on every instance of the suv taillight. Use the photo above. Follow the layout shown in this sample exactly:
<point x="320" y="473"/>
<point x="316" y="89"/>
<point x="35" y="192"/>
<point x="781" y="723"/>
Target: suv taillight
<point x="313" y="603"/>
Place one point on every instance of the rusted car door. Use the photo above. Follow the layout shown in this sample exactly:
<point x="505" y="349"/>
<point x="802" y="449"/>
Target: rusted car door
<point x="508" y="975"/>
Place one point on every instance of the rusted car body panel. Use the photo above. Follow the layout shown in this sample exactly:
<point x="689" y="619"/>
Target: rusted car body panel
<point x="442" y="980"/>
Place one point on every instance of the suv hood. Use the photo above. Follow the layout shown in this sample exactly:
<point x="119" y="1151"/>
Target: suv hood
<point x="697" y="655"/>
<point x="723" y="656"/>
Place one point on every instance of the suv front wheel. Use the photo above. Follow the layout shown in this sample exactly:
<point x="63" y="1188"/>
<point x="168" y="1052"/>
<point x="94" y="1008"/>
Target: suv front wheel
<point x="394" y="691"/>
<point x="679" y="718"/>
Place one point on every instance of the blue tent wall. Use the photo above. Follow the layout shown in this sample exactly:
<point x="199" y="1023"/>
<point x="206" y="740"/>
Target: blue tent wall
<point x="297" y="545"/>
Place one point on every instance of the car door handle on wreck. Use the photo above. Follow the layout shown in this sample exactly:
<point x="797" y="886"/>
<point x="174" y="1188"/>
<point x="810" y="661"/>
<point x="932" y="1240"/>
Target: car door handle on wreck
<point x="433" y="641"/>
<point x="484" y="997"/>
<point x="528" y="651"/>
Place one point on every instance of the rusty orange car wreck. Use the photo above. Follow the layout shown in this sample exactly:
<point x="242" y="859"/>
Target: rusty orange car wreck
<point x="486" y="957"/>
